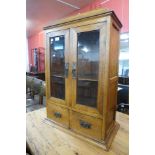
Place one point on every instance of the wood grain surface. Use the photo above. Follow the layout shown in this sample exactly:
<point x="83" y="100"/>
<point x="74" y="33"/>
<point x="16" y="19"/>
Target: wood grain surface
<point x="44" y="139"/>
<point x="108" y="25"/>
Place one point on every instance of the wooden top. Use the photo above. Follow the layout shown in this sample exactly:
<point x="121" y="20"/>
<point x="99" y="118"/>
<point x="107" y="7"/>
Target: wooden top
<point x="43" y="138"/>
<point x="90" y="14"/>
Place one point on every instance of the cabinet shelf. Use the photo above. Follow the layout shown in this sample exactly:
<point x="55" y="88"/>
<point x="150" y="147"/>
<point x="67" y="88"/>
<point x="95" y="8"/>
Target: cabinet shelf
<point x="87" y="79"/>
<point x="81" y="79"/>
<point x="59" y="76"/>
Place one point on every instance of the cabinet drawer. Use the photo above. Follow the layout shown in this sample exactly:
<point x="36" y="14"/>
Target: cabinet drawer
<point x="86" y="125"/>
<point x="58" y="114"/>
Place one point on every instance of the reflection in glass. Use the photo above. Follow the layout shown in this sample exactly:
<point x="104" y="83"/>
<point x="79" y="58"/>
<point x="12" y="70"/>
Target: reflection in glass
<point x="88" y="54"/>
<point x="87" y="67"/>
<point x="57" y="62"/>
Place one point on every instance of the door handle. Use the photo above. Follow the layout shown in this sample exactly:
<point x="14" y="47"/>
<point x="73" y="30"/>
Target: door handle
<point x="57" y="114"/>
<point x="66" y="69"/>
<point x="85" y="124"/>
<point x="74" y="70"/>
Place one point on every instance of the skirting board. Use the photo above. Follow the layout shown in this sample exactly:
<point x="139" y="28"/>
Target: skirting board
<point x="103" y="144"/>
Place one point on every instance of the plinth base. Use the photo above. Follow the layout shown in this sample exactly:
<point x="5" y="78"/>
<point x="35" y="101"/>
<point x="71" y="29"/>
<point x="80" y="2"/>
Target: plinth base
<point x="103" y="144"/>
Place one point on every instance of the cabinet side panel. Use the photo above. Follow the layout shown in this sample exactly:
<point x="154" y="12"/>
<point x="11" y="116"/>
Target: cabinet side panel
<point x="114" y="51"/>
<point x="113" y="77"/>
<point x="112" y="101"/>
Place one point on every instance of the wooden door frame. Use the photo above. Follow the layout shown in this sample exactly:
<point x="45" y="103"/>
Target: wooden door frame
<point x="51" y="99"/>
<point x="73" y="46"/>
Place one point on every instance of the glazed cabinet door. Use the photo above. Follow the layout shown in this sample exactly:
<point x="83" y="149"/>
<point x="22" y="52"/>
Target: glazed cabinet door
<point x="88" y="49"/>
<point x="57" y="66"/>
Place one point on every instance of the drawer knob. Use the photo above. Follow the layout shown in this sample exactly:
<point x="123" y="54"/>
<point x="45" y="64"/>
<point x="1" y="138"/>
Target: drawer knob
<point x="85" y="124"/>
<point x="57" y="114"/>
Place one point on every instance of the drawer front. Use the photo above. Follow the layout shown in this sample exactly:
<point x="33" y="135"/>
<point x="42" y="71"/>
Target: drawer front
<point x="58" y="114"/>
<point x="86" y="125"/>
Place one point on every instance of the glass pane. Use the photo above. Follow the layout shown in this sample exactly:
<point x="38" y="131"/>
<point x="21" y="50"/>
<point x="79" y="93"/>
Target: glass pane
<point x="87" y="93"/>
<point x="88" y="54"/>
<point x="87" y="67"/>
<point x="57" y="64"/>
<point x="58" y="87"/>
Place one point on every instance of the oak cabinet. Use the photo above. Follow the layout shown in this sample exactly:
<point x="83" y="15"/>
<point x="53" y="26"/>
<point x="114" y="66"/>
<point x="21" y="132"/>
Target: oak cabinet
<point x="82" y="73"/>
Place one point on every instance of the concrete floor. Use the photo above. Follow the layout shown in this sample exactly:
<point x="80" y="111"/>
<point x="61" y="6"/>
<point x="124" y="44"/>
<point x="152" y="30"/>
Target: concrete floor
<point x="32" y="105"/>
